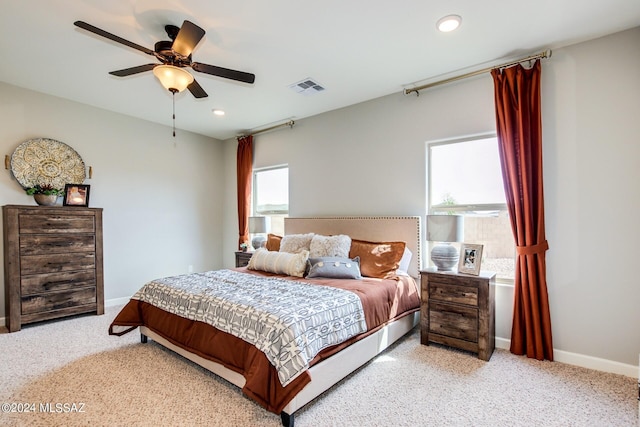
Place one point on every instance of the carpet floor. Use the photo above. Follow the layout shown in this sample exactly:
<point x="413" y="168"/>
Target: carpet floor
<point x="71" y="373"/>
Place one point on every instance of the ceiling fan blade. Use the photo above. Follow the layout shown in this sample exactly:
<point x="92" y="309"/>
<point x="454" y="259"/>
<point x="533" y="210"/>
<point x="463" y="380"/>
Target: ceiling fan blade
<point x="240" y="76"/>
<point x="133" y="70"/>
<point x="196" y="90"/>
<point x="187" y="39"/>
<point x="113" y="37"/>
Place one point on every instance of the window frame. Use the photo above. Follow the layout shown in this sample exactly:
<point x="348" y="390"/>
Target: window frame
<point x="255" y="188"/>
<point x="462" y="209"/>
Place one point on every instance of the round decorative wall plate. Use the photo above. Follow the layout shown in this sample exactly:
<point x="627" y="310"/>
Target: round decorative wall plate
<point x="43" y="161"/>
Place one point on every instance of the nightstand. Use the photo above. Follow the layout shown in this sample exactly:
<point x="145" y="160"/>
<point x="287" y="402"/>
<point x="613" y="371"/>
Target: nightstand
<point x="458" y="310"/>
<point x="242" y="258"/>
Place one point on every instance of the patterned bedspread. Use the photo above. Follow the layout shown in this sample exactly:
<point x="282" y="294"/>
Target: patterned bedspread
<point x="289" y="321"/>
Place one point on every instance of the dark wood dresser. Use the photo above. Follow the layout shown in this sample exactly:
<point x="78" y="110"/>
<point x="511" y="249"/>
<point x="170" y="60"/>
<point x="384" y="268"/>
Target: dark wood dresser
<point x="458" y="310"/>
<point x="52" y="263"/>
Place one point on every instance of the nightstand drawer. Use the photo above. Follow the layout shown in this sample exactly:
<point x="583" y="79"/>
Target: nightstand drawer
<point x="454" y="321"/>
<point x="242" y="258"/>
<point x="453" y="293"/>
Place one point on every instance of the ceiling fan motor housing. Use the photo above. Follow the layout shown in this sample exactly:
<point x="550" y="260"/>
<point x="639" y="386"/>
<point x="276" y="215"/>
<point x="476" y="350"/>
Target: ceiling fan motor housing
<point x="166" y="54"/>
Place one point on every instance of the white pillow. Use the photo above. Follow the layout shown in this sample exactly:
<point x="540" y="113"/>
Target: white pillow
<point x="330" y="246"/>
<point x="405" y="261"/>
<point x="294" y="243"/>
<point x="279" y="262"/>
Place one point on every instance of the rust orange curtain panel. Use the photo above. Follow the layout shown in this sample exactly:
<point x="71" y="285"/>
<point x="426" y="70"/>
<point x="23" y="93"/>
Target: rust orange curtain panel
<point x="519" y="127"/>
<point x="244" y="168"/>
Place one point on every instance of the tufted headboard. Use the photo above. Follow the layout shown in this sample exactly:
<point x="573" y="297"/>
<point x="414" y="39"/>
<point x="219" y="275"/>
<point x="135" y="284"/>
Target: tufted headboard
<point x="374" y="229"/>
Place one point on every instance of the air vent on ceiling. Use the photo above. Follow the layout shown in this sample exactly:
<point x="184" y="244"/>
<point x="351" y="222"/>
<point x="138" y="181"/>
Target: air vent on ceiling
<point x="307" y="87"/>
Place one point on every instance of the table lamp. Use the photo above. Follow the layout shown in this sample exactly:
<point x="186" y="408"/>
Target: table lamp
<point x="445" y="229"/>
<point x="258" y="226"/>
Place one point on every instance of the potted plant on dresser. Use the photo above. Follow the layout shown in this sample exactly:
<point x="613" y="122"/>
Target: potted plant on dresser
<point x="44" y="194"/>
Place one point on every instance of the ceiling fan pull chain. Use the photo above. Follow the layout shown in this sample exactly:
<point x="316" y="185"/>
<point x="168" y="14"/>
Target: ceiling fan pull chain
<point x="174" y="113"/>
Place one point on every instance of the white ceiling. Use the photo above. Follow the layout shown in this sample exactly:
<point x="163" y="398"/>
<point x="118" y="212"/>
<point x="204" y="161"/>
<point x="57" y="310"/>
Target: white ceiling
<point x="358" y="50"/>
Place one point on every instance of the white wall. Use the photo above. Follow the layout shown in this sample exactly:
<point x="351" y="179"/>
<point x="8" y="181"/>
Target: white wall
<point x="592" y="170"/>
<point x="160" y="195"/>
<point x="369" y="159"/>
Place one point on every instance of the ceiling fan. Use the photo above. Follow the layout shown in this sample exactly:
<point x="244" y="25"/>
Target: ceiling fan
<point x="174" y="55"/>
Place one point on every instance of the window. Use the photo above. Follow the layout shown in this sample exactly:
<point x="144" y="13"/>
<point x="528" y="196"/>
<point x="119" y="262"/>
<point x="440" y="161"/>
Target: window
<point x="465" y="178"/>
<point x="271" y="195"/>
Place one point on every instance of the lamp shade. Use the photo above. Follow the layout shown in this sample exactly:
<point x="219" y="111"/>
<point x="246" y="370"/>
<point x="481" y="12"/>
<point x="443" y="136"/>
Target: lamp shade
<point x="173" y="78"/>
<point x="445" y="228"/>
<point x="259" y="224"/>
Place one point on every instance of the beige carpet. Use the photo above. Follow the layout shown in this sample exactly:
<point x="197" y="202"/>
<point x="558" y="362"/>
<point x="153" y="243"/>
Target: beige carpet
<point x="116" y="381"/>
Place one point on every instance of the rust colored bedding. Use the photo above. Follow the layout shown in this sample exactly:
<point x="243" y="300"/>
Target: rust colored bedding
<point x="383" y="300"/>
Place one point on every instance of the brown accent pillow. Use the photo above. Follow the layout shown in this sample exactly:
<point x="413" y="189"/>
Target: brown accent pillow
<point x="377" y="259"/>
<point x="273" y="242"/>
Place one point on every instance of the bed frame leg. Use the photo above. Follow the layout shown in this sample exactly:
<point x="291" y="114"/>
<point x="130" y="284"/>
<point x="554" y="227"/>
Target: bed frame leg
<point x="287" y="419"/>
<point x="143" y="338"/>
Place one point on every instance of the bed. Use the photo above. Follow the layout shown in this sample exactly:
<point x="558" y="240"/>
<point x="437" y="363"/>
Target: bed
<point x="283" y="368"/>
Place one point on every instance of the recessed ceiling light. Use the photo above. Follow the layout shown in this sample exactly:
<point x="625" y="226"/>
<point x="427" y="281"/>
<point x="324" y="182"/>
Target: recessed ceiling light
<point x="448" y="23"/>
<point x="218" y="112"/>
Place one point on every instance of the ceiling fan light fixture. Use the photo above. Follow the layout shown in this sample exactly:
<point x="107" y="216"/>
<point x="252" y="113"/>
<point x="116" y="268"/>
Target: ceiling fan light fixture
<point x="448" y="23"/>
<point x="173" y="78"/>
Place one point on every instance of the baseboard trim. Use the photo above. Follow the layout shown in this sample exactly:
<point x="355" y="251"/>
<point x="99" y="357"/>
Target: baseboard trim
<point x="116" y="301"/>
<point x="583" y="361"/>
<point x="503" y="343"/>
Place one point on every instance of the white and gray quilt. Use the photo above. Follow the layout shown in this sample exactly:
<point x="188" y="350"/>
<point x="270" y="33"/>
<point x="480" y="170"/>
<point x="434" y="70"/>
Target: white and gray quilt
<point x="289" y="321"/>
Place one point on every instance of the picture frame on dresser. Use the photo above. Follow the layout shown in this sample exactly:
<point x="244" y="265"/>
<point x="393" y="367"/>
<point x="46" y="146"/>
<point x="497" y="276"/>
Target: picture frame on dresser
<point x="76" y="195"/>
<point x="470" y="259"/>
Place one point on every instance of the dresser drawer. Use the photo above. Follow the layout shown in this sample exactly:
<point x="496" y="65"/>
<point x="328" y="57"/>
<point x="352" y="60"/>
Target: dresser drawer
<point x="40" y="264"/>
<point x="42" y="244"/>
<point x="453" y="320"/>
<point x="58" y="300"/>
<point x="440" y="291"/>
<point x="56" y="223"/>
<point x="41" y="283"/>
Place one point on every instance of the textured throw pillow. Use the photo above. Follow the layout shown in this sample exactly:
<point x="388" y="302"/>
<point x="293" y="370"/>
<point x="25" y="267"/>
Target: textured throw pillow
<point x="377" y="259"/>
<point x="279" y="262"/>
<point x="273" y="242"/>
<point x="335" y="246"/>
<point x="294" y="243"/>
<point x="334" y="268"/>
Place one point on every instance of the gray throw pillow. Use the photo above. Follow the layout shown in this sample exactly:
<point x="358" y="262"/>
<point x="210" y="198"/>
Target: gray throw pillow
<point x="334" y="268"/>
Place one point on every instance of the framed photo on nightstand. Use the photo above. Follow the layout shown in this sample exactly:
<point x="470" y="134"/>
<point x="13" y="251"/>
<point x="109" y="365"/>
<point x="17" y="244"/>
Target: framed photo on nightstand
<point x="470" y="259"/>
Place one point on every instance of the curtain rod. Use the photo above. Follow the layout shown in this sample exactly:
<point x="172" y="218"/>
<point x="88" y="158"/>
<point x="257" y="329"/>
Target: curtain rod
<point x="290" y="123"/>
<point x="541" y="55"/>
